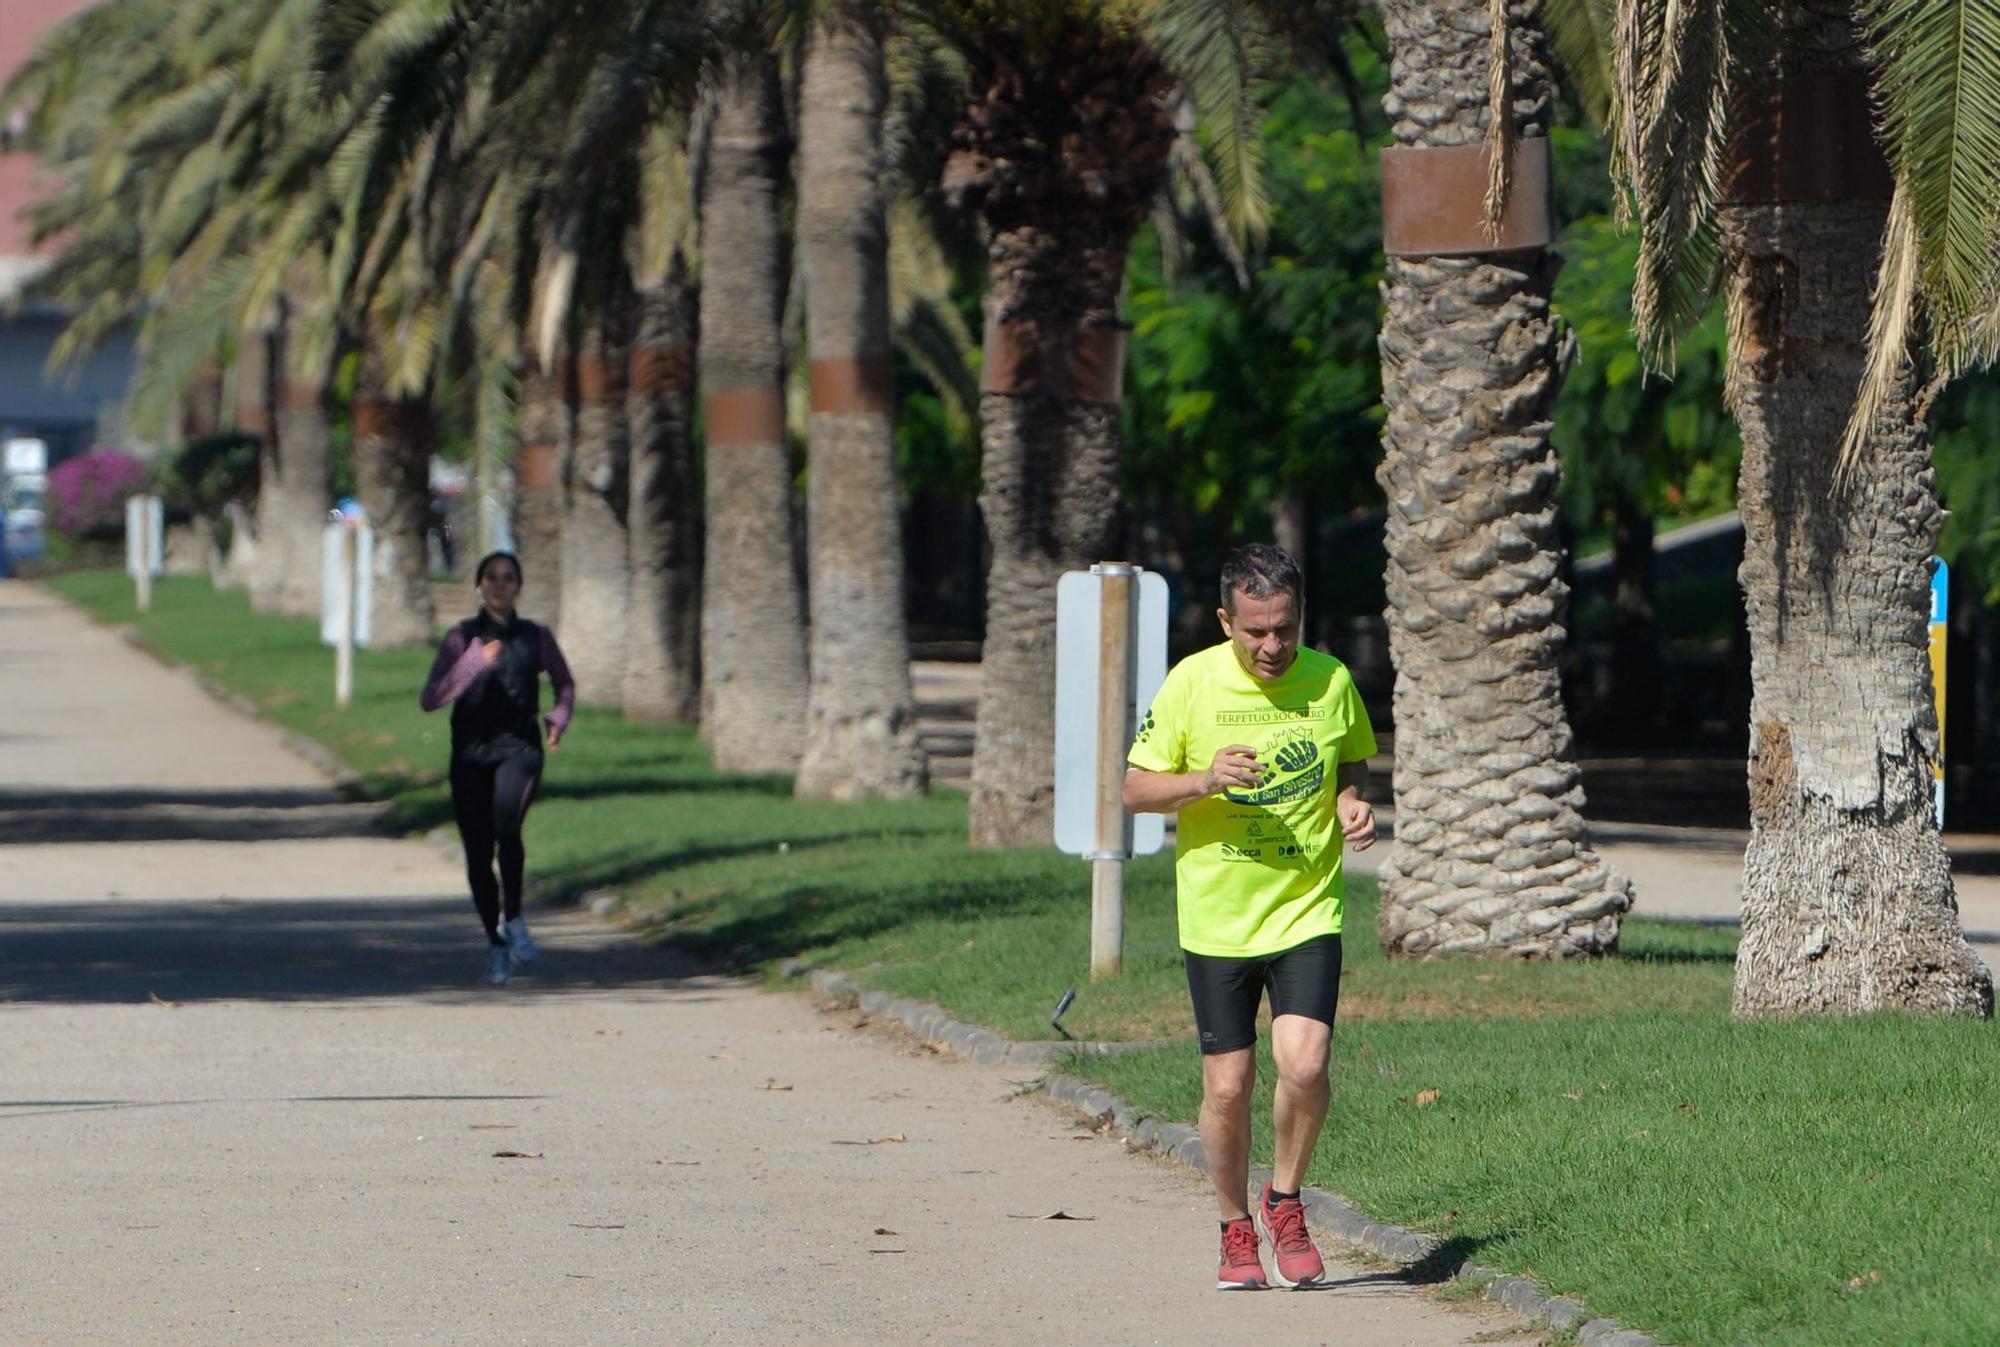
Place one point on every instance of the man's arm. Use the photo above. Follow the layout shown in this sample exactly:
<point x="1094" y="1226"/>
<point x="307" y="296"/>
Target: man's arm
<point x="1357" y="816"/>
<point x="1352" y="777"/>
<point x="1166" y="792"/>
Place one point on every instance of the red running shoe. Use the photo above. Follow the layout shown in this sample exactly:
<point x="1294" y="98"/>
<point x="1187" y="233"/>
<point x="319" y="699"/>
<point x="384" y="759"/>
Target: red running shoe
<point x="1239" y="1269"/>
<point x="1295" y="1258"/>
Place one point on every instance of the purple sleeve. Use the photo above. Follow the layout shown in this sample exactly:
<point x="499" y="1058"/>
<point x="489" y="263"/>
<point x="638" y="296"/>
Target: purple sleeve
<point x="557" y="669"/>
<point x="458" y="663"/>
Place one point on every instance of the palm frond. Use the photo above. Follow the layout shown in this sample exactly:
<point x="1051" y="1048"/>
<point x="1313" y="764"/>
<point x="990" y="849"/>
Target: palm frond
<point x="1582" y="33"/>
<point x="1681" y="65"/>
<point x="1500" y="129"/>
<point x="1939" y="92"/>
<point x="1890" y="326"/>
<point x="1220" y="49"/>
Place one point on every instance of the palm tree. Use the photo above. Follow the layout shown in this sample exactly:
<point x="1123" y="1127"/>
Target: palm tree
<point x="1491" y="853"/>
<point x="393" y="438"/>
<point x="861" y="715"/>
<point x="596" y="577"/>
<point x="1061" y="149"/>
<point x="540" y="417"/>
<point x="663" y="673"/>
<point x="753" y="646"/>
<point x="1848" y="903"/>
<point x="162" y="118"/>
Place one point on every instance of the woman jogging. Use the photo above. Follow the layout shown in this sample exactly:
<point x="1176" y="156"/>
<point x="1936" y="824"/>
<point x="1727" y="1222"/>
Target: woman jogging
<point x="489" y="669"/>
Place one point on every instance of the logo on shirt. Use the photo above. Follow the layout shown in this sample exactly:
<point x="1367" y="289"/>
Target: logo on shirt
<point x="1296" y="773"/>
<point x="1273" y="715"/>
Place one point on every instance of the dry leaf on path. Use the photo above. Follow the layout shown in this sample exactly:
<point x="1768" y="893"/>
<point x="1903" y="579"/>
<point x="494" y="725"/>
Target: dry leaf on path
<point x="676" y="1162"/>
<point x="888" y="1251"/>
<point x="772" y="1084"/>
<point x="489" y="1127"/>
<point x="885" y="1230"/>
<point x="517" y="1155"/>
<point x="889" y="1140"/>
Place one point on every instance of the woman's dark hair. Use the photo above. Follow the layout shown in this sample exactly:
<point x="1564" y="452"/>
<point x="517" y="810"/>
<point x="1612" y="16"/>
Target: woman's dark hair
<point x="479" y="571"/>
<point x="1260" y="570"/>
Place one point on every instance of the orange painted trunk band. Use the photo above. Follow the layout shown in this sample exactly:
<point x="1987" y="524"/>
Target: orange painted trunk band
<point x="1033" y="357"/>
<point x="1434" y="200"/>
<point x="662" y="369"/>
<point x="853" y="383"/>
<point x="1809" y="138"/>
<point x="535" y="467"/>
<point x="745" y="416"/>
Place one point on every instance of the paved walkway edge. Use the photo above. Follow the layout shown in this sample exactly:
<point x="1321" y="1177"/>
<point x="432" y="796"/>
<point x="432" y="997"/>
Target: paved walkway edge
<point x="1178" y="1141"/>
<point x="346" y="782"/>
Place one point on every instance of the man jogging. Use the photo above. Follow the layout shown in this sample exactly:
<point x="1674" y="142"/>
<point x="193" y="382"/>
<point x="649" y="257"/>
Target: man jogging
<point x="1262" y="748"/>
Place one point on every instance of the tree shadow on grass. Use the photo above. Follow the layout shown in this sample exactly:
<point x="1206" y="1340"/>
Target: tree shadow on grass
<point x="1689" y="942"/>
<point x="800" y="918"/>
<point x="634" y="864"/>
<point x="1444" y="1261"/>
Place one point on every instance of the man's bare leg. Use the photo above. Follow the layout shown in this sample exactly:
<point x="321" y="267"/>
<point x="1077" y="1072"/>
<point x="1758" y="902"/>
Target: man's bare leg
<point x="1226" y="1081"/>
<point x="1300" y="1046"/>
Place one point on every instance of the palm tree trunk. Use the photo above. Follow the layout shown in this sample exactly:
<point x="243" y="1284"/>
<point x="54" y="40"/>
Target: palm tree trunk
<point x="1063" y="148"/>
<point x="663" y="670"/>
<point x="1490" y="852"/>
<point x="305" y="474"/>
<point x="393" y="438"/>
<point x="256" y="374"/>
<point x="1848" y="903"/>
<point x="861" y="735"/>
<point x="596" y="562"/>
<point x="539" y="419"/>
<point x="753" y="626"/>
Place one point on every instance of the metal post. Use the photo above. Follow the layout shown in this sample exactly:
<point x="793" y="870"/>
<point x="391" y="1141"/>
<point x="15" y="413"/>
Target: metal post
<point x="1114" y="725"/>
<point x="144" y="578"/>
<point x="344" y="620"/>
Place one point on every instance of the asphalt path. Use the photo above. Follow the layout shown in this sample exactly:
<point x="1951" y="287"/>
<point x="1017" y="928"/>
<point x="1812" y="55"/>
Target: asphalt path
<point x="252" y="1094"/>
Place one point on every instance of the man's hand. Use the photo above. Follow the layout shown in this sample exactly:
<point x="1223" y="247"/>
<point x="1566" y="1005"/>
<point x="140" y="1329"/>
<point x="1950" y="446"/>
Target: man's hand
<point x="1235" y="765"/>
<point x="555" y="737"/>
<point x="1165" y="792"/>
<point x="1357" y="820"/>
<point x="490" y="651"/>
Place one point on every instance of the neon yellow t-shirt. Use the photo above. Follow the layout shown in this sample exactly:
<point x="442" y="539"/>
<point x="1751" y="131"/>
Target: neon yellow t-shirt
<point x="1257" y="871"/>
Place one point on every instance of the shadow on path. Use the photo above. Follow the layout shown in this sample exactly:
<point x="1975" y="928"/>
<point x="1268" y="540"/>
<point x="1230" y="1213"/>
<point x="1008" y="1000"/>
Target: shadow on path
<point x="53" y="814"/>
<point x="303" y="950"/>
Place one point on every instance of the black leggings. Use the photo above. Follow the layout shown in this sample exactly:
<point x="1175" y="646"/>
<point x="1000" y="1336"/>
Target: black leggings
<point x="491" y="800"/>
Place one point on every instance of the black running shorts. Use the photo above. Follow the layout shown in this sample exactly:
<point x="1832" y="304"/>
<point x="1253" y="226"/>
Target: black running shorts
<point x="1303" y="980"/>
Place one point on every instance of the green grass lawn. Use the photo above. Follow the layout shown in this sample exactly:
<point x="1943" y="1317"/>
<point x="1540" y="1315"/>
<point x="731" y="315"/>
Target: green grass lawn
<point x="1603" y="1127"/>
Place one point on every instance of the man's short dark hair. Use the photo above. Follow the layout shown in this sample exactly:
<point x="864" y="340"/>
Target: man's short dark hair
<point x="1260" y="570"/>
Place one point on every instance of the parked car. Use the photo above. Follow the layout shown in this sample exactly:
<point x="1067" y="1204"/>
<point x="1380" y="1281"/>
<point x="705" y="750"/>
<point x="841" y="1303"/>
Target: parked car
<point x="21" y="508"/>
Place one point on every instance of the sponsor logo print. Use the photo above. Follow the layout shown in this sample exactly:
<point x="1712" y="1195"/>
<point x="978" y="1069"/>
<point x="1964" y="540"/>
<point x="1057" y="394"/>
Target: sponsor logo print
<point x="1275" y="715"/>
<point x="1308" y="783"/>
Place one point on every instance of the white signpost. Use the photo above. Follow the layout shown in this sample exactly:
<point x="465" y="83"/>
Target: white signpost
<point x="144" y="553"/>
<point x="347" y="552"/>
<point x="1940" y="632"/>
<point x="1111" y="657"/>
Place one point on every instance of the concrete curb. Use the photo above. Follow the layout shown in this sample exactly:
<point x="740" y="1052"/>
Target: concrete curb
<point x="1179" y="1141"/>
<point x="932" y="1024"/>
